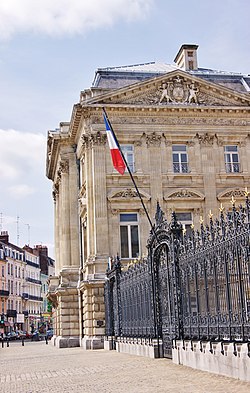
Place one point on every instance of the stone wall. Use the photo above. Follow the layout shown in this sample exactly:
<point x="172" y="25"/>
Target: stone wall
<point x="227" y="359"/>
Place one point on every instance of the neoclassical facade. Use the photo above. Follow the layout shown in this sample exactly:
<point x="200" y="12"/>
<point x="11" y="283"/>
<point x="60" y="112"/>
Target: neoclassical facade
<point x="185" y="132"/>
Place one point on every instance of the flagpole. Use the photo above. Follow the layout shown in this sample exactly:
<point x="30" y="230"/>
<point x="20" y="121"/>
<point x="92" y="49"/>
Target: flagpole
<point x="130" y="173"/>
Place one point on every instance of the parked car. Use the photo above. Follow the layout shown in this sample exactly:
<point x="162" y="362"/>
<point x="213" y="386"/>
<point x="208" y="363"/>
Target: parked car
<point x="11" y="335"/>
<point x="20" y="334"/>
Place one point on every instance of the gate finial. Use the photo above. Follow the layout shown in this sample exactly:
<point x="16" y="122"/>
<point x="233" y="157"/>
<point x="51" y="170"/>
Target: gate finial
<point x="159" y="215"/>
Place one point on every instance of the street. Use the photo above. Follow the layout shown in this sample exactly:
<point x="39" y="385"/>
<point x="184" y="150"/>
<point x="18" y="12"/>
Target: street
<point x="37" y="367"/>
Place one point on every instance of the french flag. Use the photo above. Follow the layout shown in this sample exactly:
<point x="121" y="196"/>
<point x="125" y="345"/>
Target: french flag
<point x="117" y="159"/>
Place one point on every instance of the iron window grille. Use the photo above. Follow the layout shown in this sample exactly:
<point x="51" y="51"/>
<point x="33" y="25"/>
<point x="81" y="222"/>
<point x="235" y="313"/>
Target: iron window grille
<point x="231" y="155"/>
<point x="180" y="159"/>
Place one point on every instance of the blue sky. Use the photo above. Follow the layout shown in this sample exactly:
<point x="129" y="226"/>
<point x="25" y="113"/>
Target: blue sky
<point x="49" y="51"/>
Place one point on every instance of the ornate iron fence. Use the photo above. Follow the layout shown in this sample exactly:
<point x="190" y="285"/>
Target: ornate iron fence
<point x="195" y="287"/>
<point x="215" y="278"/>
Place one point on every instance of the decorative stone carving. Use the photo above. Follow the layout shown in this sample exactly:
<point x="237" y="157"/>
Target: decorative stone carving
<point x="98" y="139"/>
<point x="176" y="91"/>
<point x="206" y="139"/>
<point x="64" y="166"/>
<point x="236" y="193"/>
<point x="193" y="92"/>
<point x="128" y="193"/>
<point x="153" y="139"/>
<point x="91" y="140"/>
<point x="55" y="191"/>
<point x="175" y="119"/>
<point x="184" y="194"/>
<point x="85" y="141"/>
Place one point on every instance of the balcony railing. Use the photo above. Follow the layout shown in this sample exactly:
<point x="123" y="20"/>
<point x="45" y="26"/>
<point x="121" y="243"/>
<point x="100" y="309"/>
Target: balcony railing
<point x="4" y="293"/>
<point x="11" y="313"/>
<point x="32" y="264"/>
<point x="29" y="279"/>
<point x="180" y="167"/>
<point x="38" y="298"/>
<point x="232" y="167"/>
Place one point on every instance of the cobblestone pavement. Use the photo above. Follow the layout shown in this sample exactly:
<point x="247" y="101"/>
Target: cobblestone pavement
<point x="37" y="367"/>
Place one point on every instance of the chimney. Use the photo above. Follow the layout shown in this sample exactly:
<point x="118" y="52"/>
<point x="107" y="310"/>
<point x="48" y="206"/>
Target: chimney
<point x="186" y="58"/>
<point x="4" y="237"/>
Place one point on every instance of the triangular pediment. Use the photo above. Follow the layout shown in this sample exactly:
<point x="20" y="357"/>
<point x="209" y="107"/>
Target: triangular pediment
<point x="184" y="194"/>
<point x="127" y="194"/>
<point x="171" y="89"/>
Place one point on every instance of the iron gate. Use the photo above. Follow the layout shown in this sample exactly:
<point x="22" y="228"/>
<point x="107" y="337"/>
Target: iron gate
<point x="194" y="288"/>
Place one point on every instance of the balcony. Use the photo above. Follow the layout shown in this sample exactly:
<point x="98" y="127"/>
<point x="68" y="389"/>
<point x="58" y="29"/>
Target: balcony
<point x="11" y="313"/>
<point x="33" y="280"/>
<point x="25" y="296"/>
<point x="32" y="264"/>
<point x="4" y="293"/>
<point x="38" y="298"/>
<point x="232" y="167"/>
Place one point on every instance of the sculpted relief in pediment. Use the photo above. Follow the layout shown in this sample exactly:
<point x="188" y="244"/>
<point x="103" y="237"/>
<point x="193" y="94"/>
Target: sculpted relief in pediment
<point x="178" y="90"/>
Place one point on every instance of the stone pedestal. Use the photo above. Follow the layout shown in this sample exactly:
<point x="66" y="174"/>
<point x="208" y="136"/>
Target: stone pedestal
<point x="93" y="314"/>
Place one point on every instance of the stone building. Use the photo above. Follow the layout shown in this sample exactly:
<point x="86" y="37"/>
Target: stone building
<point x="185" y="132"/>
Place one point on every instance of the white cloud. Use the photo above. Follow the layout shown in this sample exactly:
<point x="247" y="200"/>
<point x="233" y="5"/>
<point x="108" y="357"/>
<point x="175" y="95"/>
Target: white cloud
<point x="59" y="17"/>
<point x="19" y="191"/>
<point x="21" y="154"/>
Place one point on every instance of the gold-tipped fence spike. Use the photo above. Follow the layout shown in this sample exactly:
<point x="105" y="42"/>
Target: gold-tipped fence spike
<point x="221" y="208"/>
<point x="246" y="192"/>
<point x="210" y="215"/>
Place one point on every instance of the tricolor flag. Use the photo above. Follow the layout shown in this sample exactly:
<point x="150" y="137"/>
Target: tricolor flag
<point x="117" y="159"/>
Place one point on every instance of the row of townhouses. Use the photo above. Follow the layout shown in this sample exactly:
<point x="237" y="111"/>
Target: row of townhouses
<point x="24" y="273"/>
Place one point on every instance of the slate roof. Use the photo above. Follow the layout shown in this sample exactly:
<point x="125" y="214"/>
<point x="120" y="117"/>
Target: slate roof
<point x="117" y="77"/>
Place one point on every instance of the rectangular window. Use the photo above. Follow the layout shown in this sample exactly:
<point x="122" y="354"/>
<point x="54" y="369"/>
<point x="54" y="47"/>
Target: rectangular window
<point x="180" y="158"/>
<point x="185" y="218"/>
<point x="128" y="152"/>
<point x="129" y="235"/>
<point x="232" y="162"/>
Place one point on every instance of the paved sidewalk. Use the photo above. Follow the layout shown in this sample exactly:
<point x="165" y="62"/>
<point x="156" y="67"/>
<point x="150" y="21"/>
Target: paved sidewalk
<point x="41" y="368"/>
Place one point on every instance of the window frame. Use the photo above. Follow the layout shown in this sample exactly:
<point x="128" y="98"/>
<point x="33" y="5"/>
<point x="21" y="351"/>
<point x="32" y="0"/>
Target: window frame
<point x="231" y="166"/>
<point x="183" y="166"/>
<point x="129" y="224"/>
<point x="127" y="153"/>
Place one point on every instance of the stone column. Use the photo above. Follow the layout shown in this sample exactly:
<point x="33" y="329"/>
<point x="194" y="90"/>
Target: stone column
<point x="67" y="293"/>
<point x="154" y="145"/>
<point x="56" y="228"/>
<point x="65" y="245"/>
<point x="208" y="155"/>
<point x="98" y="244"/>
<point x="73" y="212"/>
